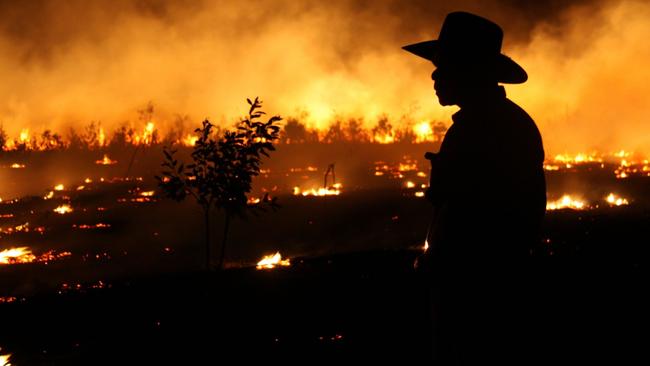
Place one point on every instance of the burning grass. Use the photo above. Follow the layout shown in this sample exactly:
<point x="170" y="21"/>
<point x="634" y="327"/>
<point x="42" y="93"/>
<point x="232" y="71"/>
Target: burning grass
<point x="24" y="255"/>
<point x="273" y="261"/>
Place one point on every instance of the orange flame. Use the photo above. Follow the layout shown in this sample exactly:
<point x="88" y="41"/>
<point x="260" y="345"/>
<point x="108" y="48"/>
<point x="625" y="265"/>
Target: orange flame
<point x="567" y="201"/>
<point x="272" y="261"/>
<point x="63" y="209"/>
<point x="334" y="190"/>
<point x="105" y="161"/>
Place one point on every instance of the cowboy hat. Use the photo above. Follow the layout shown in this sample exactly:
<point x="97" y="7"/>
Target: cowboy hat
<point x="470" y="40"/>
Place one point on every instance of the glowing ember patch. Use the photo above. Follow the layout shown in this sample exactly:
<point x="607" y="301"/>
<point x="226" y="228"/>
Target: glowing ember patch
<point x="614" y="200"/>
<point x="253" y="200"/>
<point x="147" y="193"/>
<point x="63" y="209"/>
<point x="6" y="300"/>
<point x="81" y="188"/>
<point x="407" y="167"/>
<point x="566" y="202"/>
<point x="419" y="194"/>
<point x="17" y="166"/>
<point x="25" y="255"/>
<point x="49" y="195"/>
<point x="95" y="226"/>
<point x="379" y="173"/>
<point x="272" y="261"/>
<point x="88" y="180"/>
<point x="105" y="161"/>
<point x="422" y="174"/>
<point x="410" y="184"/>
<point x="426" y="245"/>
<point x="59" y="187"/>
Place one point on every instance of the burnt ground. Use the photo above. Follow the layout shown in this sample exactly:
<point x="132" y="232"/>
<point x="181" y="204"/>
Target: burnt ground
<point x="368" y="306"/>
<point x="134" y="293"/>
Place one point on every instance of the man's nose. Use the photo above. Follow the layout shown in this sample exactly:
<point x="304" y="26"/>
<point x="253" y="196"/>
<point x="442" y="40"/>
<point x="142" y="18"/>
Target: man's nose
<point x="435" y="74"/>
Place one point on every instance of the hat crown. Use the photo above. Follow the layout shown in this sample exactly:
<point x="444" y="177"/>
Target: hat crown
<point x="469" y="34"/>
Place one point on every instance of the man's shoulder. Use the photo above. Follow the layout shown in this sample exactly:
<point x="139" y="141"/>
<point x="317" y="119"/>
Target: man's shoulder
<point x="514" y="110"/>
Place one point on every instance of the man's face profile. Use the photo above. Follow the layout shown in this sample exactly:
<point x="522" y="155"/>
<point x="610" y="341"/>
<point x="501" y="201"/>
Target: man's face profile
<point x="445" y="86"/>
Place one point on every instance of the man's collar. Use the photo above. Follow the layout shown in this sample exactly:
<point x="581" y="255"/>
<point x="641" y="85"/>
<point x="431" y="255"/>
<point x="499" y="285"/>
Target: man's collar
<point x="485" y="101"/>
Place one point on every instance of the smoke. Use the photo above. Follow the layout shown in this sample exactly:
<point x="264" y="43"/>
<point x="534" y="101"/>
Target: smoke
<point x="68" y="63"/>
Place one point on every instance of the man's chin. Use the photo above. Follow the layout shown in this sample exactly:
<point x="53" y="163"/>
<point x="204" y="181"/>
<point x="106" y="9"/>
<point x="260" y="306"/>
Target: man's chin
<point x="444" y="101"/>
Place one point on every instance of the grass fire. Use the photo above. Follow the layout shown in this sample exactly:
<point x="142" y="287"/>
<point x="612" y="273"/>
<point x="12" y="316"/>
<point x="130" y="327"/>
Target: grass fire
<point x="151" y="213"/>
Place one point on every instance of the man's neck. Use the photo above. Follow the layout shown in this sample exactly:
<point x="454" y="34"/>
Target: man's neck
<point x="481" y="96"/>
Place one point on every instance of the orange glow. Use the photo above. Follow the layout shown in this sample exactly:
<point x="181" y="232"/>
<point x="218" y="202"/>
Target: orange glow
<point x="615" y="200"/>
<point x="5" y="358"/>
<point x="384" y="138"/>
<point x="272" y="261"/>
<point x="63" y="209"/>
<point x="17" y="166"/>
<point x="423" y="132"/>
<point x="94" y="226"/>
<point x="567" y="201"/>
<point x="24" y="136"/>
<point x="321" y="80"/>
<point x="105" y="161"/>
<point x="334" y="190"/>
<point x="190" y="140"/>
<point x="16" y="255"/>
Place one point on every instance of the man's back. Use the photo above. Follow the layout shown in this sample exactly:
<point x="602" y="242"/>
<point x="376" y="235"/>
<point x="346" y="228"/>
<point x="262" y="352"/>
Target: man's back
<point x="490" y="186"/>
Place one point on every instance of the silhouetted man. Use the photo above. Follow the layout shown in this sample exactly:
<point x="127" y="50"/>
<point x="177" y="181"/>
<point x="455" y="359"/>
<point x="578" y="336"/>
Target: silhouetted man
<point x="488" y="191"/>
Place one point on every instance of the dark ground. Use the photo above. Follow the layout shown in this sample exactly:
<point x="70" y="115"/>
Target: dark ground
<point x="350" y="295"/>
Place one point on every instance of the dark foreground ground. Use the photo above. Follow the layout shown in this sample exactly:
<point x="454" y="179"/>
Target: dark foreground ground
<point x="132" y="294"/>
<point x="358" y="307"/>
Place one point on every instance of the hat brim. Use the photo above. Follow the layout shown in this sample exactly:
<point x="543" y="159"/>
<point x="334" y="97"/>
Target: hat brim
<point x="507" y="70"/>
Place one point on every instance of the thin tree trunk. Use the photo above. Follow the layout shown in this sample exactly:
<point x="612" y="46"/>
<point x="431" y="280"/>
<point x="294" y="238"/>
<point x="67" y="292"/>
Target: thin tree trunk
<point x="223" y="242"/>
<point x="206" y="216"/>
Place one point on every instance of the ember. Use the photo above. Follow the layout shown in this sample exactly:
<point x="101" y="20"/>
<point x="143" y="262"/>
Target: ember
<point x="271" y="261"/>
<point x="17" y="166"/>
<point x="94" y="226"/>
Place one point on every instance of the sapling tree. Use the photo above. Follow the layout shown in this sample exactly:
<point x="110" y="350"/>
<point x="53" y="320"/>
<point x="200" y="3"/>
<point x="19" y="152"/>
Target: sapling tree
<point x="220" y="174"/>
